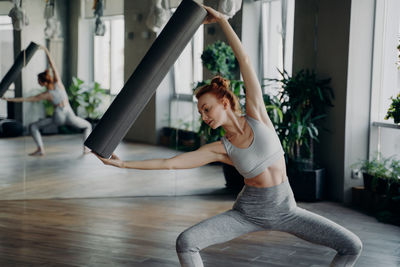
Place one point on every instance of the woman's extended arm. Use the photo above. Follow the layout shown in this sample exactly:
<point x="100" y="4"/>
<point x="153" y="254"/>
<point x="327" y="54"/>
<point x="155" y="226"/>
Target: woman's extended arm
<point x="202" y="156"/>
<point x="255" y="106"/>
<point x="35" y="98"/>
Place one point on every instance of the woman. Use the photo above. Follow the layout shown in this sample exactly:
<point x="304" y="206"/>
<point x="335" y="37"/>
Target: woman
<point x="252" y="146"/>
<point x="63" y="113"/>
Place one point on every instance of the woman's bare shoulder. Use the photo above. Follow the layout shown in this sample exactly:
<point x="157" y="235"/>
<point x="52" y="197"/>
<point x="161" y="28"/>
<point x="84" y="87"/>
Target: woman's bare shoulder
<point x="216" y="147"/>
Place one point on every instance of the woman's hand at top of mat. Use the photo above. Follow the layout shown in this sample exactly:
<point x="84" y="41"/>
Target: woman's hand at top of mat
<point x="212" y="16"/>
<point x="206" y="154"/>
<point x="113" y="161"/>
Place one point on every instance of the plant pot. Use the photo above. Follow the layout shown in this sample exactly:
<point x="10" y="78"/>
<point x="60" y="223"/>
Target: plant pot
<point x="367" y="179"/>
<point x="381" y="186"/>
<point x="10" y="128"/>
<point x="394" y="190"/>
<point x="307" y="184"/>
<point x="168" y="137"/>
<point x="188" y="140"/>
<point x="234" y="180"/>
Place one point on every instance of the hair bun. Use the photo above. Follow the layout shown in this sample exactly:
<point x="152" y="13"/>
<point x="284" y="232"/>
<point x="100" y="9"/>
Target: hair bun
<point x="218" y="81"/>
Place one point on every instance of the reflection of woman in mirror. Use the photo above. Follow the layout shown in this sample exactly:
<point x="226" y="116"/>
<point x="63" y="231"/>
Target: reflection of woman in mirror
<point x="251" y="144"/>
<point x="63" y="113"/>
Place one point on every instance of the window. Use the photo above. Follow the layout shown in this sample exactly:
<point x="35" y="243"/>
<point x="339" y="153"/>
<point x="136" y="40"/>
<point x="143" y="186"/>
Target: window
<point x="6" y="57"/>
<point x="109" y="55"/>
<point x="385" y="76"/>
<point x="277" y="38"/>
<point x="188" y="70"/>
<point x="188" y="67"/>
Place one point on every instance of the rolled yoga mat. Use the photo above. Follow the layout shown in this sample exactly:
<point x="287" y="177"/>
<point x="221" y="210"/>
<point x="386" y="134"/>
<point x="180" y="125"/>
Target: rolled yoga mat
<point x="144" y="81"/>
<point x="22" y="60"/>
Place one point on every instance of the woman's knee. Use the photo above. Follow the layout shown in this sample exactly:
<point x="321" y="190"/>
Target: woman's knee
<point x="353" y="247"/>
<point x="185" y="243"/>
<point x="33" y="127"/>
<point x="356" y="247"/>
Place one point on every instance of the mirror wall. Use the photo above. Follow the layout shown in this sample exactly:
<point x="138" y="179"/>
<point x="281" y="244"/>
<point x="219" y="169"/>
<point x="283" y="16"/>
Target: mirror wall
<point x="86" y="62"/>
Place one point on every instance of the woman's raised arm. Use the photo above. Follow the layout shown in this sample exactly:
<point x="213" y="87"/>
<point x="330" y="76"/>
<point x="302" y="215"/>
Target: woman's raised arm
<point x="202" y="156"/>
<point x="255" y="106"/>
<point x="52" y="65"/>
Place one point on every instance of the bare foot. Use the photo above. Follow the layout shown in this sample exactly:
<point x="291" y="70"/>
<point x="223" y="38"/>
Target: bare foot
<point x="37" y="153"/>
<point x="86" y="150"/>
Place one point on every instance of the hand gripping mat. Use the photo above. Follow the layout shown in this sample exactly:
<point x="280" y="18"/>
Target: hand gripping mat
<point x="22" y="59"/>
<point x="144" y="81"/>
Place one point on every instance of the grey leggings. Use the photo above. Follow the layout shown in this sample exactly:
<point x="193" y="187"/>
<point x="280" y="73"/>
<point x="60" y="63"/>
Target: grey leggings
<point x="61" y="116"/>
<point x="272" y="208"/>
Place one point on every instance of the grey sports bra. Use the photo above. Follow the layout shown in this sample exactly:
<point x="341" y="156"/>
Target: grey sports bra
<point x="263" y="152"/>
<point x="58" y="95"/>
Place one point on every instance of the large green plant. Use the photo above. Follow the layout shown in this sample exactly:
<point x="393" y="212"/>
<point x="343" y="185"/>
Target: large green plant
<point x="303" y="98"/>
<point x="89" y="97"/>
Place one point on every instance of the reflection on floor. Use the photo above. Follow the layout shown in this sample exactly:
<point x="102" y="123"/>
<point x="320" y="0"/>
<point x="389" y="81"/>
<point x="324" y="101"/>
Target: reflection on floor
<point x="65" y="173"/>
<point x="141" y="231"/>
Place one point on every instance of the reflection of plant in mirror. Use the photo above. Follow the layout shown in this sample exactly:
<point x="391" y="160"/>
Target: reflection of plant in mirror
<point x="48" y="108"/>
<point x="87" y="96"/>
<point x="220" y="60"/>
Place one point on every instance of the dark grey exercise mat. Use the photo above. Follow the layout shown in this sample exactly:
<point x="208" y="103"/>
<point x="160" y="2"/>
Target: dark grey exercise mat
<point x="139" y="88"/>
<point x="16" y="68"/>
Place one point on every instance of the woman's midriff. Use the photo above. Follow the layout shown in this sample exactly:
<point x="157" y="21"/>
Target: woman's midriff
<point x="272" y="176"/>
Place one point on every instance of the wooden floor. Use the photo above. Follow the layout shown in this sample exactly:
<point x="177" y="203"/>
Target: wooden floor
<point x="69" y="210"/>
<point x="141" y="231"/>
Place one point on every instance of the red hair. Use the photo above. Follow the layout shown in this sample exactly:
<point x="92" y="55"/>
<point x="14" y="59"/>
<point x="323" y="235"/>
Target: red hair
<point x="219" y="87"/>
<point x="45" y="76"/>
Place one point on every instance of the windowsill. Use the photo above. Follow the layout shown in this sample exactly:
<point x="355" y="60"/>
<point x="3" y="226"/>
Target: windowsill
<point x="386" y="125"/>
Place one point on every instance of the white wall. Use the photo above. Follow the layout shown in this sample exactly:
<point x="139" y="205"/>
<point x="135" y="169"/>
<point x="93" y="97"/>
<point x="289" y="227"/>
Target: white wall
<point x="358" y="88"/>
<point x="385" y="76"/>
<point x="251" y="20"/>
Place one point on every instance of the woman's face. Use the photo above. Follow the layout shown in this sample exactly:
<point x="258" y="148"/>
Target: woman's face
<point x="212" y="111"/>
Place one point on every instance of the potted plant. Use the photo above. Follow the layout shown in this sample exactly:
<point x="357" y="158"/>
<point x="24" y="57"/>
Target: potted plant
<point x="382" y="187"/>
<point x="86" y="99"/>
<point x="376" y="173"/>
<point x="180" y="136"/>
<point x="304" y="99"/>
<point x="394" y="110"/>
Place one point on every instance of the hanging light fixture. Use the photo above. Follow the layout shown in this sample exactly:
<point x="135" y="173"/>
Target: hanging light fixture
<point x="100" y="27"/>
<point x="51" y="29"/>
<point x="18" y="16"/>
<point x="159" y="15"/>
<point x="229" y="7"/>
